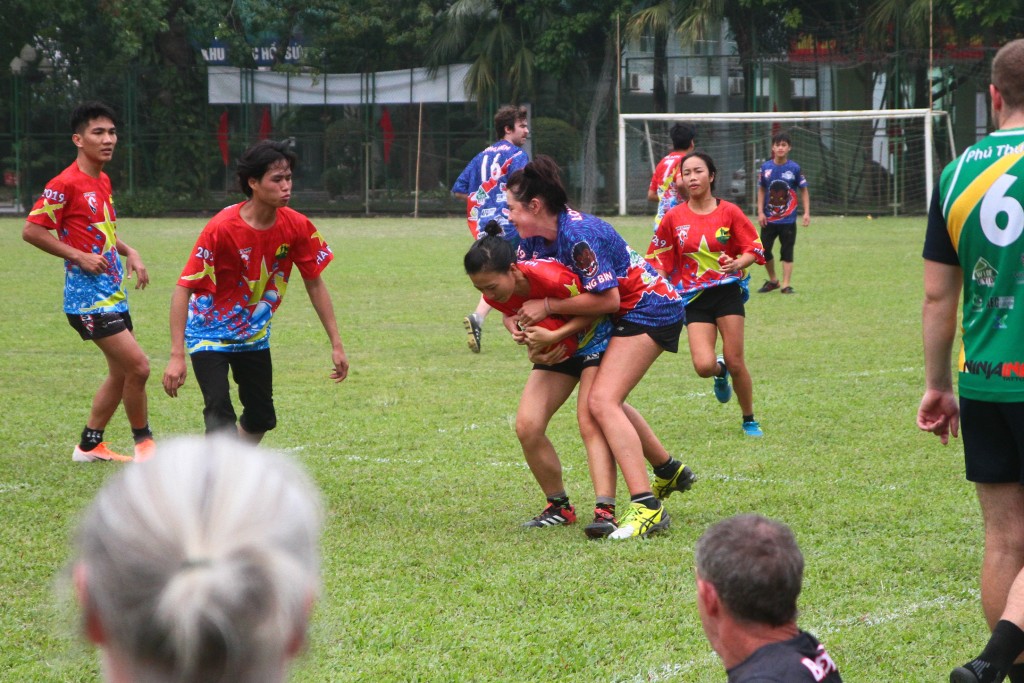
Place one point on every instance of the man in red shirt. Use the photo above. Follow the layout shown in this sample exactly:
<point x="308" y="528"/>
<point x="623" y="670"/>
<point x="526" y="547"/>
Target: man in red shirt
<point x="663" y="187"/>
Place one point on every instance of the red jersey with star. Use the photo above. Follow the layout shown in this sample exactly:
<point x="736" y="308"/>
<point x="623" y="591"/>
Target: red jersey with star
<point x="80" y="208"/>
<point x="687" y="245"/>
<point x="239" y="276"/>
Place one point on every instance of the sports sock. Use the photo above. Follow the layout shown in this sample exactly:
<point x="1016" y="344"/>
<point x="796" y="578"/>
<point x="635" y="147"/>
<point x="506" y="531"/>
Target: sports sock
<point x="721" y="370"/>
<point x="1004" y="646"/>
<point x="91" y="438"/>
<point x="748" y="418"/>
<point x="142" y="434"/>
<point x="605" y="501"/>
<point x="559" y="500"/>
<point x="1017" y="673"/>
<point x="669" y="469"/>
<point x="646" y="499"/>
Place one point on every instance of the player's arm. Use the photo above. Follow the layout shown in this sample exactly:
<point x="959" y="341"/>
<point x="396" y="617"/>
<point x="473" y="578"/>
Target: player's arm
<point x="761" y="218"/>
<point x="42" y="239"/>
<point x="321" y="300"/>
<point x="652" y="195"/>
<point x="460" y="195"/>
<point x="542" y="337"/>
<point x="133" y="264"/>
<point x="588" y="303"/>
<point x="176" y="372"/>
<point x="939" y="412"/>
<point x="805" y="201"/>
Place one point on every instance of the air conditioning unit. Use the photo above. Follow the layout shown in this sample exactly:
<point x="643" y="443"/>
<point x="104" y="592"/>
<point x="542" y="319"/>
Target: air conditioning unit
<point x="634" y="81"/>
<point x="735" y="85"/>
<point x="684" y="85"/>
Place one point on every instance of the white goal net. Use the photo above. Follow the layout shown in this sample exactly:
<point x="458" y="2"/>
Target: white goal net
<point x="881" y="162"/>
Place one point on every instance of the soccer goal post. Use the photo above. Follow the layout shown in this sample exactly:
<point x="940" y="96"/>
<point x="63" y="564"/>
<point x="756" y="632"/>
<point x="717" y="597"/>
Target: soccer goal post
<point x="879" y="161"/>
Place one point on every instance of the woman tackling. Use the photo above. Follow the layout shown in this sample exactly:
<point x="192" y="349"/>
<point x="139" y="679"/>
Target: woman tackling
<point x="704" y="247"/>
<point x="645" y="310"/>
<point x="566" y="352"/>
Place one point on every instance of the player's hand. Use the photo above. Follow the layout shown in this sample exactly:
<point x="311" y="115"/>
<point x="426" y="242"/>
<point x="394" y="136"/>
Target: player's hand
<point x="511" y="323"/>
<point x="939" y="413"/>
<point x="762" y="219"/>
<point x="133" y="264"/>
<point x="94" y="264"/>
<point x="539" y="337"/>
<point x="174" y="375"/>
<point x="532" y="312"/>
<point x="807" y="219"/>
<point x="552" y="357"/>
<point x="727" y="264"/>
<point x="340" y="360"/>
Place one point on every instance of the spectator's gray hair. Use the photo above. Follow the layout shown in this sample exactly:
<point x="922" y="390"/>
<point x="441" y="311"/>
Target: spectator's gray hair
<point x="755" y="566"/>
<point x="200" y="565"/>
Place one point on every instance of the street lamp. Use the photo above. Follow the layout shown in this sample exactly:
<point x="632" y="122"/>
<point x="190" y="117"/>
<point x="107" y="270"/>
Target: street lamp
<point x="28" y="58"/>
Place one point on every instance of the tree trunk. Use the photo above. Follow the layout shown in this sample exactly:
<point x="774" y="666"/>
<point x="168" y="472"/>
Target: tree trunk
<point x="598" y="106"/>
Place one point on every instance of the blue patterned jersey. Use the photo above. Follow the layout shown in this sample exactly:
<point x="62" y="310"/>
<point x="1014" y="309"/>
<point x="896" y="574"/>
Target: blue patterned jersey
<point x="600" y="256"/>
<point x="81" y="209"/>
<point x="780" y="183"/>
<point x="483" y="180"/>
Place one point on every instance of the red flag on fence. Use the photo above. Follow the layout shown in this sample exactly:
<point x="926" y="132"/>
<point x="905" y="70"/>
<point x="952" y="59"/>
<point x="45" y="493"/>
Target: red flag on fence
<point x="222" y="137"/>
<point x="389" y="132"/>
<point x="265" y="124"/>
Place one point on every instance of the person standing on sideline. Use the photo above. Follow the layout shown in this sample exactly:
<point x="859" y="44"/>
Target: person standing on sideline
<point x="482" y="186"/>
<point x="704" y="246"/>
<point x="79" y="206"/>
<point x="975" y="223"/>
<point x="778" y="182"/>
<point x="749" y="575"/>
<point x="234" y="280"/>
<point x="200" y="565"/>
<point x="647" y="318"/>
<point x="663" y="188"/>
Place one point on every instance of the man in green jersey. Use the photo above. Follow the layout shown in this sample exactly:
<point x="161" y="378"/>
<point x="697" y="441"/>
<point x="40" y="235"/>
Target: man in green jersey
<point x="974" y="243"/>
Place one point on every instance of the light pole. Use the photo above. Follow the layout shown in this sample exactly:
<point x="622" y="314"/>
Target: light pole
<point x="18" y="66"/>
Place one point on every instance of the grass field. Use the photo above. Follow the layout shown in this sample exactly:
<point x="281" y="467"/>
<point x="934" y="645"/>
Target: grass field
<point x="427" y="576"/>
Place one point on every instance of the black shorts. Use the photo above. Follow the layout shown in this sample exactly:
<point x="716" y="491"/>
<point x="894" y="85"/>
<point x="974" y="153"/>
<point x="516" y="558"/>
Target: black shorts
<point x="786" y="233"/>
<point x="253" y="372"/>
<point x="92" y="326"/>
<point x="667" y="336"/>
<point x="572" y="366"/>
<point x="993" y="441"/>
<point x="714" y="303"/>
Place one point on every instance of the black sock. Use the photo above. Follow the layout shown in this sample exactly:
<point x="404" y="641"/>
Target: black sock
<point x="669" y="469"/>
<point x="91" y="438"/>
<point x="1004" y="646"/>
<point x="721" y="369"/>
<point x="559" y="500"/>
<point x="646" y="499"/>
<point x="141" y="435"/>
<point x="1017" y="673"/>
<point x="748" y="418"/>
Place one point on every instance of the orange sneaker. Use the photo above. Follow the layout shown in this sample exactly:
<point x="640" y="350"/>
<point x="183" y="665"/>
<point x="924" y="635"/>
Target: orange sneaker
<point x="100" y="453"/>
<point x="145" y="449"/>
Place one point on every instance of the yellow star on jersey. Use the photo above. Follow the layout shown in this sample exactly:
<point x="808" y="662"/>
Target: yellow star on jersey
<point x="208" y="270"/>
<point x="257" y="287"/>
<point x="108" y="228"/>
<point x="573" y="289"/>
<point x="49" y="209"/>
<point x="319" y="236"/>
<point x="704" y="258"/>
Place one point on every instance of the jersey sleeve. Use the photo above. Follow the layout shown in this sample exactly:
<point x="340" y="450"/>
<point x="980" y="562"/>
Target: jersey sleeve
<point x="801" y="180"/>
<point x="48" y="211"/>
<point x="938" y="245"/>
<point x="313" y="253"/>
<point x="661" y="252"/>
<point x="199" y="272"/>
<point x="520" y="160"/>
<point x="465" y="179"/>
<point x="747" y="239"/>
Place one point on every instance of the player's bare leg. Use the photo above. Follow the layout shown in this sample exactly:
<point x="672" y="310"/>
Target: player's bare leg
<point x="125" y="382"/>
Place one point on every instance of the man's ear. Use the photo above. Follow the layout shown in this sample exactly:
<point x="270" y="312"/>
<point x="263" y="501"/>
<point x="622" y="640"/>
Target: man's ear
<point x="90" y="620"/>
<point x="708" y="597"/>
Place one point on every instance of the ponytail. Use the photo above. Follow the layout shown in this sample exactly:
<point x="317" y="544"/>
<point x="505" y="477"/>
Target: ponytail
<point x="490" y="253"/>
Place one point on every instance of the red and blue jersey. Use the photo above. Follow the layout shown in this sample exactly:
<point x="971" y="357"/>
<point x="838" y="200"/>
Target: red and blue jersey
<point x="663" y="183"/>
<point x="602" y="259"/>
<point x="550" y="278"/>
<point x="239" y="276"/>
<point x="81" y="209"/>
<point x="687" y="246"/>
<point x="483" y="181"/>
<point x="780" y="183"/>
